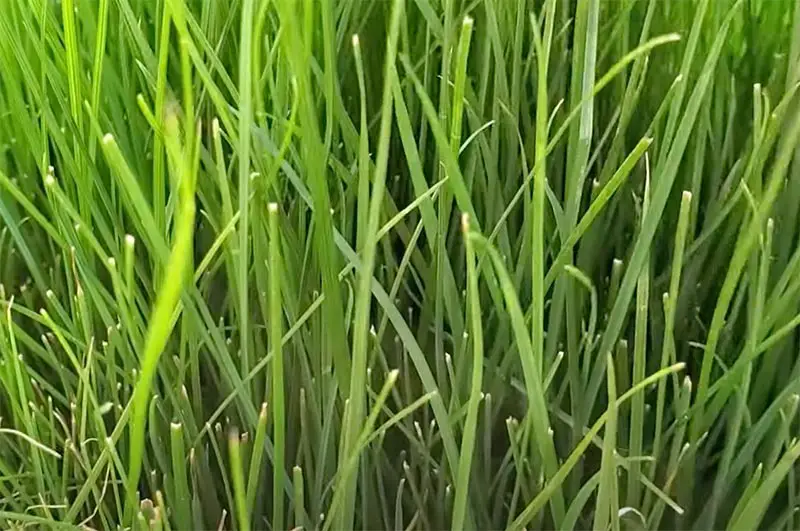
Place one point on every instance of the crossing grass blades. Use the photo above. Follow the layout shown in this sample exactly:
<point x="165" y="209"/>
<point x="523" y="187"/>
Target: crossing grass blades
<point x="401" y="264"/>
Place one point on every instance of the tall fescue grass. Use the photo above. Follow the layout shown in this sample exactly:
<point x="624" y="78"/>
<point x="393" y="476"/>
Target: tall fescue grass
<point x="399" y="264"/>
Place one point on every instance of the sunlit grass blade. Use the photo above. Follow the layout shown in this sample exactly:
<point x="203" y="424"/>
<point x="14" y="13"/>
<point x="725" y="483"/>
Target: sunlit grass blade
<point x="278" y="373"/>
<point x="161" y="322"/>
<point x="237" y="479"/>
<point x="607" y="506"/>
<point x="470" y="425"/>
<point x="180" y="504"/>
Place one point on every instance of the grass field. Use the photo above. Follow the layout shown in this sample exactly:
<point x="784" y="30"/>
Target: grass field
<point x="399" y="264"/>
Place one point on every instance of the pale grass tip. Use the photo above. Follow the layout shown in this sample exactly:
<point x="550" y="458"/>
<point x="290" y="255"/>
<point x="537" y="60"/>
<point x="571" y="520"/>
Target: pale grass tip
<point x="356" y="40"/>
<point x="687" y="195"/>
<point x="468" y="20"/>
<point x="272" y="208"/>
<point x="130" y="241"/>
<point x="108" y="138"/>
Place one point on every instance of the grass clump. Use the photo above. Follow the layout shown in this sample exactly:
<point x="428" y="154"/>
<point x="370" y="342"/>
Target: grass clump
<point x="409" y="264"/>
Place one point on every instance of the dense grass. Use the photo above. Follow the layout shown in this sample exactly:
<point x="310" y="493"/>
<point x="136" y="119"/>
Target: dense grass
<point x="409" y="264"/>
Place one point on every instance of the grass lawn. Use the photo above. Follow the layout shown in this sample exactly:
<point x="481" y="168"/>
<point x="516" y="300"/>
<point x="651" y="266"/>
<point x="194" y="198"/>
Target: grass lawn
<point x="399" y="264"/>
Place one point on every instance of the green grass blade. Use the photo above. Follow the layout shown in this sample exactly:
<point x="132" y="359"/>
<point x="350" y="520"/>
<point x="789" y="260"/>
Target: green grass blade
<point x="470" y="425"/>
<point x="753" y="511"/>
